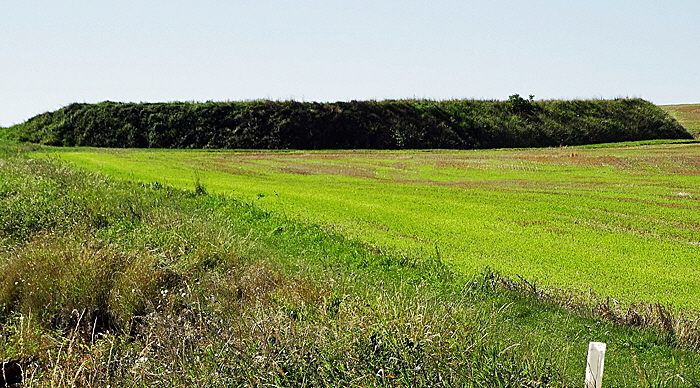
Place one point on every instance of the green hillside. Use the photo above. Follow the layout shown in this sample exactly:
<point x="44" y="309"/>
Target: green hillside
<point x="688" y="115"/>
<point x="393" y="124"/>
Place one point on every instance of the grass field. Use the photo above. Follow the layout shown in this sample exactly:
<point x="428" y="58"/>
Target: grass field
<point x="620" y="221"/>
<point x="688" y="115"/>
<point x="111" y="282"/>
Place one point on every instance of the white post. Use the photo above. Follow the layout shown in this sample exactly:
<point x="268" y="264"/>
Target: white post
<point x="594" y="365"/>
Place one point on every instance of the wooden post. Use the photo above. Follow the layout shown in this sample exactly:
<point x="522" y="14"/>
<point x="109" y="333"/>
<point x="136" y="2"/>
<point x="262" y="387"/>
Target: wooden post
<point x="594" y="365"/>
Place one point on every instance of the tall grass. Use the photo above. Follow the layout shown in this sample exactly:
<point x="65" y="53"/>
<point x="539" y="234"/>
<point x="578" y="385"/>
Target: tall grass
<point x="106" y="282"/>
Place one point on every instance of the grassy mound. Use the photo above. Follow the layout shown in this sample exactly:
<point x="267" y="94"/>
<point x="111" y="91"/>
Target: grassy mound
<point x="402" y="124"/>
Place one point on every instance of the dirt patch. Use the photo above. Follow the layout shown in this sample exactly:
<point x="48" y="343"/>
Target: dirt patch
<point x="409" y="167"/>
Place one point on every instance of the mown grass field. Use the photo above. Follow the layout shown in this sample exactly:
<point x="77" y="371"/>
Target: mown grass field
<point x="620" y="221"/>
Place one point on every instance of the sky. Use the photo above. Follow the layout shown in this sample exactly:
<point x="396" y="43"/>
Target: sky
<point x="54" y="53"/>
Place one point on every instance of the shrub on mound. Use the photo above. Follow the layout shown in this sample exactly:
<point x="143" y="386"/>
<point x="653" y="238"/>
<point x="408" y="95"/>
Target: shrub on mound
<point x="391" y="124"/>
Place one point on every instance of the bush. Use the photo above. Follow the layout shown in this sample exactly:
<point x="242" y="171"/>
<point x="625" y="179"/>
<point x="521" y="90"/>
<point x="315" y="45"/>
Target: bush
<point x="392" y="124"/>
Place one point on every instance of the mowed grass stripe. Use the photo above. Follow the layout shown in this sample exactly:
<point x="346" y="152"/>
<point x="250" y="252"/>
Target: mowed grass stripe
<point x="620" y="221"/>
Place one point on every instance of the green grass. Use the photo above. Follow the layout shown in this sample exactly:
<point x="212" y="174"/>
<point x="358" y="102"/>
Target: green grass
<point x="620" y="222"/>
<point x="687" y="114"/>
<point x="111" y="282"/>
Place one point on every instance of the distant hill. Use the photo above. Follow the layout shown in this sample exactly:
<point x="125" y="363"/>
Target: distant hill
<point x="688" y="115"/>
<point x="391" y="124"/>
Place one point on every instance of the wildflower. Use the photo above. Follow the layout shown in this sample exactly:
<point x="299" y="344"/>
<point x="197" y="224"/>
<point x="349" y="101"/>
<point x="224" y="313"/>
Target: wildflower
<point x="260" y="358"/>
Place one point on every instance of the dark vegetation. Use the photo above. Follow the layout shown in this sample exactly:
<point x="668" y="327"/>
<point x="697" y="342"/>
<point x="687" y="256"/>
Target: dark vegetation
<point x="394" y="124"/>
<point x="105" y="282"/>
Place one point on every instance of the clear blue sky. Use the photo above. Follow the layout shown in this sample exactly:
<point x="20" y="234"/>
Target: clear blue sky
<point x="53" y="53"/>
